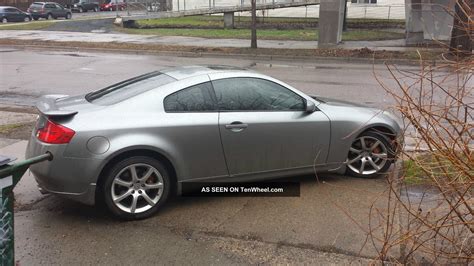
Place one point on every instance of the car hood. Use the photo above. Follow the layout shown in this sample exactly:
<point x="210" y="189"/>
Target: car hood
<point x="336" y="102"/>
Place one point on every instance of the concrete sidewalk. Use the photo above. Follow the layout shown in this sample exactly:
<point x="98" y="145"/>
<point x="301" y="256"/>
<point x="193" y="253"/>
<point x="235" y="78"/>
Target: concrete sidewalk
<point x="62" y="36"/>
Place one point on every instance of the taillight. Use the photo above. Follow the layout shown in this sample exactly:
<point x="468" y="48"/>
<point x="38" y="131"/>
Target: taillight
<point x="54" y="133"/>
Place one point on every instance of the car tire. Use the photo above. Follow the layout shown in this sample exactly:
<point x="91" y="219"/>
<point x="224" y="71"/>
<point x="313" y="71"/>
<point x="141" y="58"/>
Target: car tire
<point x="81" y="10"/>
<point x="96" y="9"/>
<point x="4" y="20"/>
<point x="370" y="155"/>
<point x="27" y="19"/>
<point x="35" y="18"/>
<point x="121" y="190"/>
<point x="110" y="9"/>
<point x="49" y="16"/>
<point x="68" y="16"/>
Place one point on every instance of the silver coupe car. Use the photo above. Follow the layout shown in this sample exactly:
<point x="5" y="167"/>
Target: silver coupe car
<point x="136" y="142"/>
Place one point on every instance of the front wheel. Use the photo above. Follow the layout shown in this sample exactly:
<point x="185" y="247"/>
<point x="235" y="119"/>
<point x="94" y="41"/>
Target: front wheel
<point x="370" y="155"/>
<point x="27" y="19"/>
<point x="4" y="20"/>
<point x="96" y="9"/>
<point x="81" y="10"/>
<point x="68" y="16"/>
<point x="49" y="17"/>
<point x="136" y="187"/>
<point x="35" y="18"/>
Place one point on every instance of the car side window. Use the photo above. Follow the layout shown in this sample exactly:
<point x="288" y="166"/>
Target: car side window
<point x="254" y="94"/>
<point x="196" y="98"/>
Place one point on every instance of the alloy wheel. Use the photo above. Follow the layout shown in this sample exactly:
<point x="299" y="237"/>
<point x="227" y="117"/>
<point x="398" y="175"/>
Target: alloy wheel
<point x="367" y="155"/>
<point x="4" y="20"/>
<point x="137" y="188"/>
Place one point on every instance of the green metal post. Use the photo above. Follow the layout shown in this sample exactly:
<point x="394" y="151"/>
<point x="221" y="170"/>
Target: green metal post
<point x="10" y="174"/>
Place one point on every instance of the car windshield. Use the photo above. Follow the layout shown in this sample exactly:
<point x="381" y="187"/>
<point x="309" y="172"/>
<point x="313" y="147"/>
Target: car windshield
<point x="129" y="88"/>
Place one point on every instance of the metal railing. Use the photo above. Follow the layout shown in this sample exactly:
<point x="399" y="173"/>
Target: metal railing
<point x="369" y="11"/>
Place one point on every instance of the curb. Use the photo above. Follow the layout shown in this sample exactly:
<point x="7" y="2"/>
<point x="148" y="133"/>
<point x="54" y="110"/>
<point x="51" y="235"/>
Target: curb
<point x="320" y="59"/>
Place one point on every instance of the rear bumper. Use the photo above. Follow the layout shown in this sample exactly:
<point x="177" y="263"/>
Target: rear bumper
<point x="74" y="178"/>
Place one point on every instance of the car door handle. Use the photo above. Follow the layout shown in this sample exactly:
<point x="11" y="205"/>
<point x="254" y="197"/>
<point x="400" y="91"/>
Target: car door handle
<point x="236" y="125"/>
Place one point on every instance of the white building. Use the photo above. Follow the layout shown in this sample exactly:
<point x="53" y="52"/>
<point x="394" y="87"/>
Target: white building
<point x="384" y="9"/>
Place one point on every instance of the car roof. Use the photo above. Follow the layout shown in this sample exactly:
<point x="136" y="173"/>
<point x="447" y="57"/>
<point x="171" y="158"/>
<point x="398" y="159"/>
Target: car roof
<point x="2" y="7"/>
<point x="184" y="72"/>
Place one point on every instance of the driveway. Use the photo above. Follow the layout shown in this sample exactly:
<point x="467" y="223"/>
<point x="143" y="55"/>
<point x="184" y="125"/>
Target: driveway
<point x="316" y="227"/>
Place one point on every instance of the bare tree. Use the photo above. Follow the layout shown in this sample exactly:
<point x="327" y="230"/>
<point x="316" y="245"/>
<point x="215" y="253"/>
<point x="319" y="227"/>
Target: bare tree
<point x="253" y="43"/>
<point x="461" y="41"/>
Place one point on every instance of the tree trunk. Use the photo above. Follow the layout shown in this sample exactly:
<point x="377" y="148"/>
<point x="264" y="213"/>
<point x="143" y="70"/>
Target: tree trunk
<point x="253" y="43"/>
<point x="461" y="39"/>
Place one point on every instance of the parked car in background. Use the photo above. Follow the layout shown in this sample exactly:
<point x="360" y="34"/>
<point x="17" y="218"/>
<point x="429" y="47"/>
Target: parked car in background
<point x="113" y="5"/>
<point x="13" y="14"/>
<point x="48" y="10"/>
<point x="133" y="143"/>
<point x="84" y="6"/>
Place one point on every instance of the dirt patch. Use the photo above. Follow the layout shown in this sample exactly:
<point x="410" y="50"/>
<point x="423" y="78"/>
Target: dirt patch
<point x="198" y="51"/>
<point x="17" y="131"/>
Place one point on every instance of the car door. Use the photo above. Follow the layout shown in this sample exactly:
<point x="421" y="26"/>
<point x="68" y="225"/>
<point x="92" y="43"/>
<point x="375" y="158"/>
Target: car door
<point x="60" y="11"/>
<point x="50" y="8"/>
<point x="12" y="14"/>
<point x="190" y="124"/>
<point x="264" y="127"/>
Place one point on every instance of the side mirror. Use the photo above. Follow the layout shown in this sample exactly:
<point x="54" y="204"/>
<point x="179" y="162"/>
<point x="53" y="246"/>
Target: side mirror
<point x="310" y="106"/>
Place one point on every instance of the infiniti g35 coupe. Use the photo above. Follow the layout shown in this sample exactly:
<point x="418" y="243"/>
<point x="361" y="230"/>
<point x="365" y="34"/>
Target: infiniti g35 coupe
<point x="134" y="143"/>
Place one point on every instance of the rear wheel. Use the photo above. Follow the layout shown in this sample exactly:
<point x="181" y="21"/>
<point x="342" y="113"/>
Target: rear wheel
<point x="370" y="155"/>
<point x="68" y="16"/>
<point x="35" y="18"/>
<point x="96" y="9"/>
<point x="81" y="10"/>
<point x="4" y="20"/>
<point x="27" y="19"/>
<point x="136" y="187"/>
<point x="49" y="16"/>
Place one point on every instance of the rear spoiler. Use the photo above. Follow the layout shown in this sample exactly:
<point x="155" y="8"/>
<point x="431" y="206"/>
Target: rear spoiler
<point x="47" y="106"/>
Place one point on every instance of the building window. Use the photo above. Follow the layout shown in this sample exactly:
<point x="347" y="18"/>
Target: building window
<point x="364" y="1"/>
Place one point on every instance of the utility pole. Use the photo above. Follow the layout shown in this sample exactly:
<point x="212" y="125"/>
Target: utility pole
<point x="253" y="42"/>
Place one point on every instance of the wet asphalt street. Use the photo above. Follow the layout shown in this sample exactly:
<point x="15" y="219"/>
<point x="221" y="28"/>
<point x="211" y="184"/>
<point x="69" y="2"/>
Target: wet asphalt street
<point x="28" y="74"/>
<point x="316" y="228"/>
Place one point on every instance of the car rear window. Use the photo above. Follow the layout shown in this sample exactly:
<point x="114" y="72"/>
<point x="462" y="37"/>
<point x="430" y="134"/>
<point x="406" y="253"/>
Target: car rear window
<point x="37" y="5"/>
<point x="128" y="88"/>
